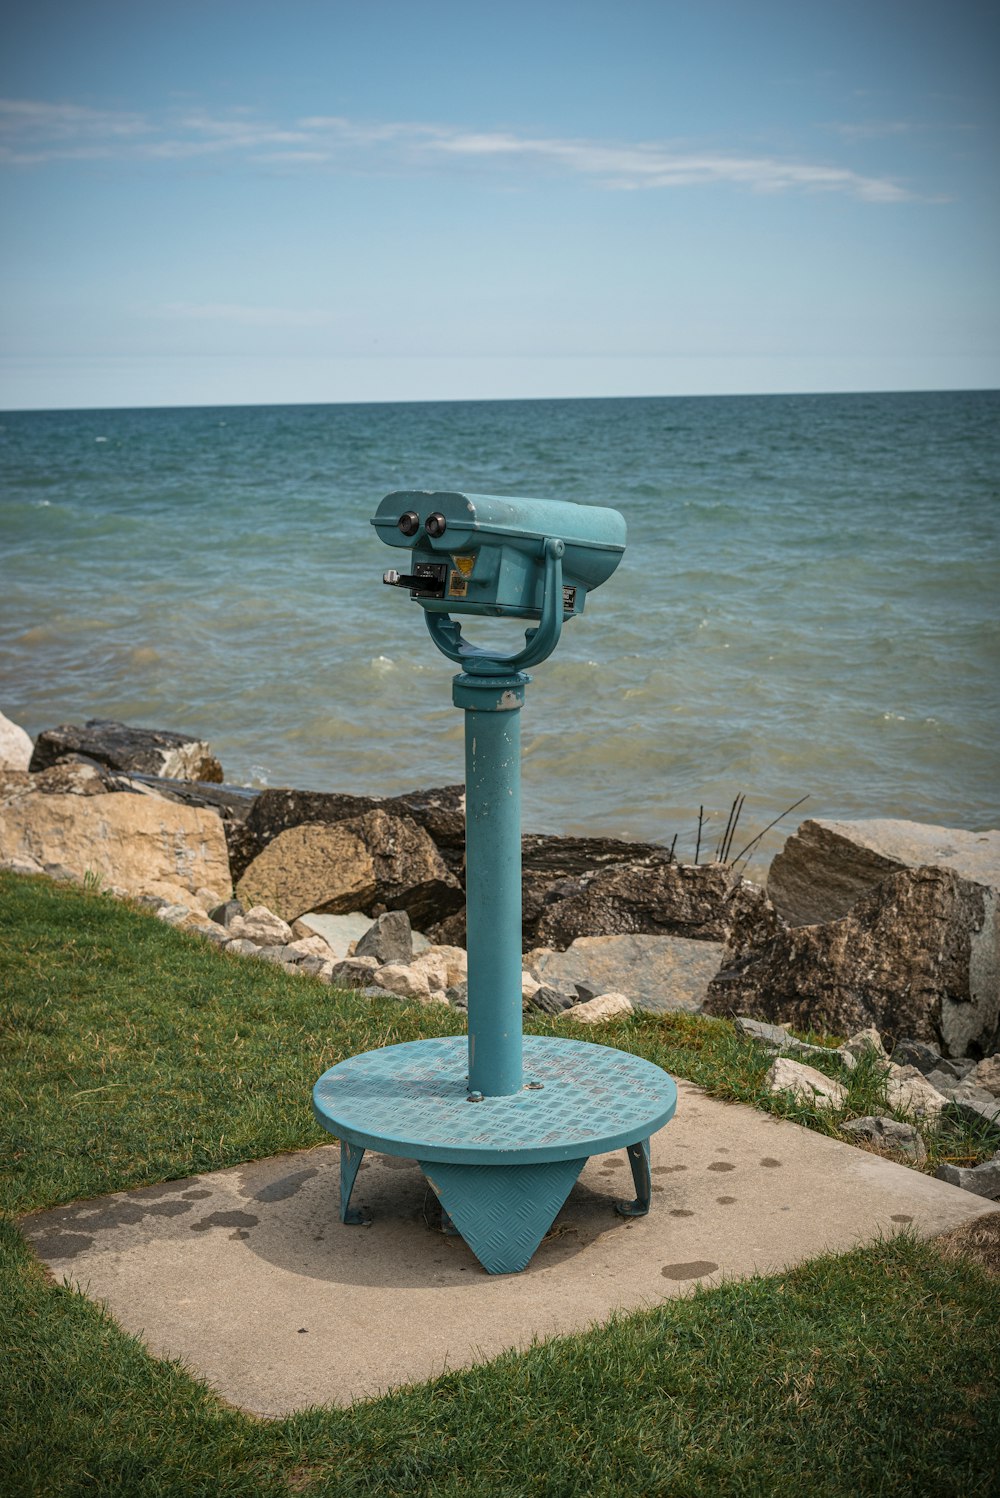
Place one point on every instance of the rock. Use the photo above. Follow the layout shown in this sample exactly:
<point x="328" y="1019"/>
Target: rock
<point x="701" y="902"/>
<point x="75" y="776"/>
<point x="399" y="979"/>
<point x="915" y="1053"/>
<point x="21" y="865"/>
<point x="276" y="954"/>
<point x="889" y="1135"/>
<point x="240" y="947"/>
<point x="605" y="1006"/>
<point x="439" y="812"/>
<point x="909" y="1091"/>
<point x="433" y="964"/>
<point x="529" y="986"/>
<point x="15" y="746"/>
<point x="313" y="948"/>
<point x="340" y="932"/>
<point x="976" y="1108"/>
<point x="983" y="1179"/>
<point x="915" y="956"/>
<point x="389" y="939"/>
<point x="987" y="1075"/>
<point x="351" y="865"/>
<point x="864" y="1042"/>
<point x="808" y="1084"/>
<point x="121" y="747"/>
<point x="353" y="972"/>
<point x="262" y="926"/>
<point x="173" y="915"/>
<point x="451" y="931"/>
<point x="826" y="866"/>
<point x="314" y="967"/>
<point x="227" y="912"/>
<point x="776" y="1038"/>
<point x="133" y="842"/>
<point x="548" y="1000"/>
<point x="456" y="961"/>
<point x="458" y="996"/>
<point x="658" y="973"/>
<point x="218" y="935"/>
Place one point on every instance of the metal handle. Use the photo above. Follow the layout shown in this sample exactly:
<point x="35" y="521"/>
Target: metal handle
<point x="540" y="641"/>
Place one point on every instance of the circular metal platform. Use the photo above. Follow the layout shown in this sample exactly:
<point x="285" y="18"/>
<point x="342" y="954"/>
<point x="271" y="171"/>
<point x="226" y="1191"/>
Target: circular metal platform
<point x="412" y="1100"/>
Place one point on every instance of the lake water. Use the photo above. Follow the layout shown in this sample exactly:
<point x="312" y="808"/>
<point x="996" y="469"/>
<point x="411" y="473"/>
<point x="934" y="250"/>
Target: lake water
<point x="808" y="605"/>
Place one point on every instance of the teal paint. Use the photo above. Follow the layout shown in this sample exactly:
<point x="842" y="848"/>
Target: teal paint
<point x="492" y="708"/>
<point x="500" y="1125"/>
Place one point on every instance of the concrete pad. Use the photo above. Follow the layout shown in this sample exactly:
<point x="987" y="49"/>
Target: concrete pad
<point x="249" y="1277"/>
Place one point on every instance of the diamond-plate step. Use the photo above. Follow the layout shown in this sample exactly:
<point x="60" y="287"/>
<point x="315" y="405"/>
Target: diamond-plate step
<point x="502" y="1211"/>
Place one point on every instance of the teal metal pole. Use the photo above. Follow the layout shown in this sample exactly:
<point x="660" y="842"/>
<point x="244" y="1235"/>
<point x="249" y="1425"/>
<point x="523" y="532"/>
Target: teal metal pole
<point x="492" y="706"/>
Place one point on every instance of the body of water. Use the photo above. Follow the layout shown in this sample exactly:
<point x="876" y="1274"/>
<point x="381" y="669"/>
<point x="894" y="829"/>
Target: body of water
<point x="808" y="604"/>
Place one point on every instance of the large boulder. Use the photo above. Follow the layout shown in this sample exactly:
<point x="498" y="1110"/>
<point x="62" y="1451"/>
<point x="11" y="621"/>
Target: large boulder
<point x="354" y="864"/>
<point x="916" y="956"/>
<point x="136" y="843"/>
<point x="702" y="902"/>
<point x="15" y="746"/>
<point x="121" y="747"/>
<point x="658" y="973"/>
<point x="440" y="812"/>
<point x="552" y="868"/>
<point x="826" y="866"/>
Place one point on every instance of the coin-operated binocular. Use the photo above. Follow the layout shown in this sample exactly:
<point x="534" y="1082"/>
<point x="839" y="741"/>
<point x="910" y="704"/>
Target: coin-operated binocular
<point x="500" y="557"/>
<point x="501" y="1169"/>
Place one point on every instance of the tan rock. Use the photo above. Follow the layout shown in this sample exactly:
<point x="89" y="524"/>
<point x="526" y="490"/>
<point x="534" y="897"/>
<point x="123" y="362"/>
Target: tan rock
<point x="345" y="866"/>
<point x="262" y="926"/>
<point x="131" y="841"/>
<point x="987" y="1075"/>
<point x="808" y="1084"/>
<point x="434" y="967"/>
<point x="657" y="973"/>
<point x="15" y="745"/>
<point x="311" y="946"/>
<point x="909" y="1091"/>
<point x="404" y="981"/>
<point x="529" y="986"/>
<point x="605" y="1006"/>
<point x="457" y="963"/>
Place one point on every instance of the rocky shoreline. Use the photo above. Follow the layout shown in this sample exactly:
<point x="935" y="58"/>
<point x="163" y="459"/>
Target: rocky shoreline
<point x="885" y="931"/>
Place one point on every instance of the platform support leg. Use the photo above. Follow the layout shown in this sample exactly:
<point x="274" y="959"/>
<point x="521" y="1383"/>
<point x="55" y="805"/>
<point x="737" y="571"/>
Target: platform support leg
<point x="351" y="1156"/>
<point x="638" y="1158"/>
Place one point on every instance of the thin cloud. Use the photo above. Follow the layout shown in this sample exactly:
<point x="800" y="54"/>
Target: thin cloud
<point x="35" y="132"/>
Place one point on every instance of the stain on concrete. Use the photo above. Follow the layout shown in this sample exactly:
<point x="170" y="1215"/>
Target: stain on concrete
<point x="239" y="1233"/>
<point x="900" y="1217"/>
<point x="60" y="1245"/>
<point x="725" y="1201"/>
<point x="681" y="1212"/>
<point x="667" y="1170"/>
<point x="770" y="1162"/>
<point x="280" y="1191"/>
<point x="225" y="1220"/>
<point x="721" y="1165"/>
<point x="692" y="1271"/>
<point x="195" y="1196"/>
<point x="394" y="1162"/>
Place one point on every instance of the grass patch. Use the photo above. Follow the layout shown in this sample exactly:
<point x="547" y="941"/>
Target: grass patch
<point x="870" y="1373"/>
<point x="132" y="1053"/>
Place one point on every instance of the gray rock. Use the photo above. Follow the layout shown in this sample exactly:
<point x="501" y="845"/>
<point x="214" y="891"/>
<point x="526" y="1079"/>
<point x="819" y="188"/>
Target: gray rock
<point x="354" y="972"/>
<point x="776" y="1038"/>
<point x="275" y="954"/>
<point x="390" y="939"/>
<point x="656" y="897"/>
<point x="976" y="1107"/>
<point x="944" y="1081"/>
<point x="890" y="1135"/>
<point x="121" y="747"/>
<point x="983" y="1179"/>
<point x="657" y="973"/>
<point x="173" y="915"/>
<point x="826" y="866"/>
<point x="226" y="913"/>
<point x="905" y="959"/>
<point x="458" y="995"/>
<point x="218" y="935"/>
<point x="550" y="1000"/>
<point x="240" y="947"/>
<point x="987" y="1074"/>
<point x="805" y="1082"/>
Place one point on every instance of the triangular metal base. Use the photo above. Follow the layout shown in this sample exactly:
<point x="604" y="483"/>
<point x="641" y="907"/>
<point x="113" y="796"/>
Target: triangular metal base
<point x="502" y="1211"/>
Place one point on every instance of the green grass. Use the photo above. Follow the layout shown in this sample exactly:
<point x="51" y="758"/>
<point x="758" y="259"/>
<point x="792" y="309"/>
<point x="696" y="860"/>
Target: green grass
<point x="132" y="1053"/>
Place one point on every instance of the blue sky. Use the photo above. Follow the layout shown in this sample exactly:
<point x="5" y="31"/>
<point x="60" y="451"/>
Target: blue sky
<point x="232" y="201"/>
